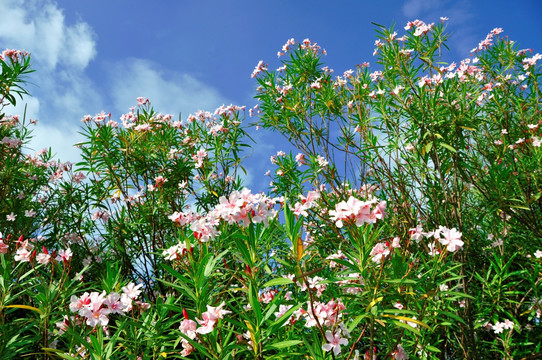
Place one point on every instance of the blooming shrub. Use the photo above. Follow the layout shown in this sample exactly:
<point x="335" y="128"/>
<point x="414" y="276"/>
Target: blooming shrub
<point x="152" y="248"/>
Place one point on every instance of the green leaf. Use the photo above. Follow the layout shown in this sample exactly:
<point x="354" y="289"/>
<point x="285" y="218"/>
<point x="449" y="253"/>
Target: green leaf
<point x="286" y="343"/>
<point x="278" y="281"/>
<point x="212" y="262"/>
<point x="407" y="327"/>
<point x="356" y="322"/>
<point x="280" y="321"/>
<point x="453" y="316"/>
<point x="27" y="307"/>
<point x="404" y="318"/>
<point x="446" y="146"/>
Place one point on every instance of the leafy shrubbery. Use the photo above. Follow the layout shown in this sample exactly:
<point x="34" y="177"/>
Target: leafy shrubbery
<point x="407" y="226"/>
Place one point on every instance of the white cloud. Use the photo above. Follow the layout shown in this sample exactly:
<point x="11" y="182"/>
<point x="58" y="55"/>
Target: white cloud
<point x="80" y="46"/>
<point x="169" y="92"/>
<point x="60" y="139"/>
<point x="62" y="92"/>
<point x="40" y="28"/>
<point x="416" y="8"/>
<point x="29" y="107"/>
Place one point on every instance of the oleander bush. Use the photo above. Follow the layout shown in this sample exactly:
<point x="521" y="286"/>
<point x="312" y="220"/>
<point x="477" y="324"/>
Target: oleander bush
<point x="404" y="222"/>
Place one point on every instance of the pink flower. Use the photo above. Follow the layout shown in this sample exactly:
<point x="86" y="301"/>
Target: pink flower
<point x="349" y="210"/>
<point x="142" y="101"/>
<point x="77" y="304"/>
<point x="174" y="252"/>
<point x="131" y="290"/>
<point x="100" y="214"/>
<point x="316" y="84"/>
<point x="95" y="313"/>
<point x="43" y="258"/>
<point x="217" y="312"/>
<point x="206" y="324"/>
<point x="160" y="181"/>
<point x="204" y="229"/>
<point x="334" y="342"/>
<point x="322" y="161"/>
<point x="64" y="255"/>
<point x="114" y="303"/>
<point x="497" y="31"/>
<point x="314" y="283"/>
<point x="282" y="310"/>
<point x="311" y="198"/>
<point x="300" y="209"/>
<point x="143" y="127"/>
<point x="306" y="204"/>
<point x="187" y="348"/>
<point x="63" y="325"/>
<point x="11" y="217"/>
<point x="199" y="157"/>
<point x="498" y="327"/>
<point x="267" y="296"/>
<point x="508" y="325"/>
<point x="259" y="68"/>
<point x="379" y="252"/>
<point x="422" y="28"/>
<point x="379" y="212"/>
<point x="433" y="250"/>
<point x="288" y="296"/>
<point x="188" y="327"/>
<point x="416" y="233"/>
<point x="3" y="247"/>
<point x="23" y="255"/>
<point x="452" y="239"/>
<point x="127" y="302"/>
<point x="210" y="318"/>
<point x="338" y="255"/>
<point x="400" y="353"/>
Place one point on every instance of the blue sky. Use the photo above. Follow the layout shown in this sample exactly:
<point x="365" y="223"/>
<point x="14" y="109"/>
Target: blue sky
<point x="189" y="55"/>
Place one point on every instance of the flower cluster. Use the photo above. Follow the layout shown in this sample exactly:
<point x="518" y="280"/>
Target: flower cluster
<point x="259" y="68"/>
<point x="451" y="238"/>
<point x="95" y="307"/>
<point x="241" y="207"/>
<point x="420" y="27"/>
<point x="381" y="250"/>
<point x="207" y="324"/>
<point x="486" y="43"/>
<point x="13" y="55"/>
<point x="358" y="212"/>
<point x="499" y="327"/>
